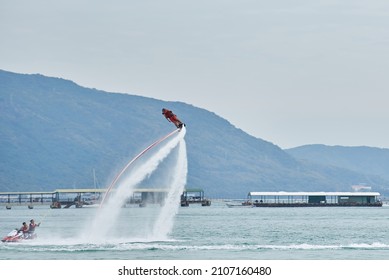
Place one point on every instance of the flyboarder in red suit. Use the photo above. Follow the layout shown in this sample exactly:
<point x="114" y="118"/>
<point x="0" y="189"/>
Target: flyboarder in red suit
<point x="172" y="118"/>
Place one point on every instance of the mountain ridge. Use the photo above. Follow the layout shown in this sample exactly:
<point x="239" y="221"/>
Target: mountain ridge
<point x="54" y="132"/>
<point x="362" y="159"/>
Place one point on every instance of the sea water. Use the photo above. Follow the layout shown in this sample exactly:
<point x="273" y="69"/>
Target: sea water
<point x="214" y="232"/>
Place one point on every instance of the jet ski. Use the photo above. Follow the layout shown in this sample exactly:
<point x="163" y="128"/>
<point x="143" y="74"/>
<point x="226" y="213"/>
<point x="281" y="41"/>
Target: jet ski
<point x="17" y="236"/>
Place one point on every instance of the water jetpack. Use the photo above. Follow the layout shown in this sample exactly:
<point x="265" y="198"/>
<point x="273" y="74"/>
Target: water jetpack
<point x="17" y="236"/>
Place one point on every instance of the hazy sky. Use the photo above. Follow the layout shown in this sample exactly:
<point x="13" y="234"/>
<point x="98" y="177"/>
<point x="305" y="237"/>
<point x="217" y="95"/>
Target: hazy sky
<point x="290" y="72"/>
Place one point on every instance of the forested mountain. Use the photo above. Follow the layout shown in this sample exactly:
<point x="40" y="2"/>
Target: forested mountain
<point x="366" y="160"/>
<point x="55" y="132"/>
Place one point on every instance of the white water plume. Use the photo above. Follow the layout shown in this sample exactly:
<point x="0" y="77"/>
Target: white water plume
<point x="164" y="222"/>
<point x="108" y="215"/>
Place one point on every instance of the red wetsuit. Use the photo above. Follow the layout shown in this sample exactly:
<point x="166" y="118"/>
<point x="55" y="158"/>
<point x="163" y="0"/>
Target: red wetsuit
<point x="172" y="118"/>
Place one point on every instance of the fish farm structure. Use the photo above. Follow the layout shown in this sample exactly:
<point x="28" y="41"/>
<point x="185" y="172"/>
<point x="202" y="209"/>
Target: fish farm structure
<point x="314" y="199"/>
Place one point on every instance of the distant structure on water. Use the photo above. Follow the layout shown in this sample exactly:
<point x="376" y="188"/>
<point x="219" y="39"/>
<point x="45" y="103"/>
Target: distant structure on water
<point x="314" y="199"/>
<point x="361" y="187"/>
<point x="66" y="198"/>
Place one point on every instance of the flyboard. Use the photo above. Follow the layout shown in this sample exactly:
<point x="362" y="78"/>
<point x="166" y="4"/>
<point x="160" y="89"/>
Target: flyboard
<point x="133" y="160"/>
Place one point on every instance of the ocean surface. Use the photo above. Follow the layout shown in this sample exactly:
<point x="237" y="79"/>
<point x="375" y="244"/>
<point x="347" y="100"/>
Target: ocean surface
<point x="215" y="232"/>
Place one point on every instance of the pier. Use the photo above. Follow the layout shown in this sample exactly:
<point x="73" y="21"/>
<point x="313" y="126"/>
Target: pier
<point x="66" y="198"/>
<point x="10" y="199"/>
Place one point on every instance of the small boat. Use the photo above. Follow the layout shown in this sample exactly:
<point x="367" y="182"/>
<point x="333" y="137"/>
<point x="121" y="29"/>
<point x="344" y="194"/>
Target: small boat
<point x="184" y="203"/>
<point x="245" y="204"/>
<point x="206" y="202"/>
<point x="91" y="205"/>
<point x="55" y="205"/>
<point x="238" y="205"/>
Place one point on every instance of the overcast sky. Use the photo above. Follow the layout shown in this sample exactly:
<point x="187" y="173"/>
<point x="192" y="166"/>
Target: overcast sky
<point x="289" y="72"/>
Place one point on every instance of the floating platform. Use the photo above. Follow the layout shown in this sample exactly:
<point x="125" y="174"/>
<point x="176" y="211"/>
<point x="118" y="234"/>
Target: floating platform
<point x="79" y="198"/>
<point x="194" y="196"/>
<point x="315" y="199"/>
<point x="377" y="204"/>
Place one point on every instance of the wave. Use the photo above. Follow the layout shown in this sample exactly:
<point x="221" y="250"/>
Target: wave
<point x="178" y="246"/>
